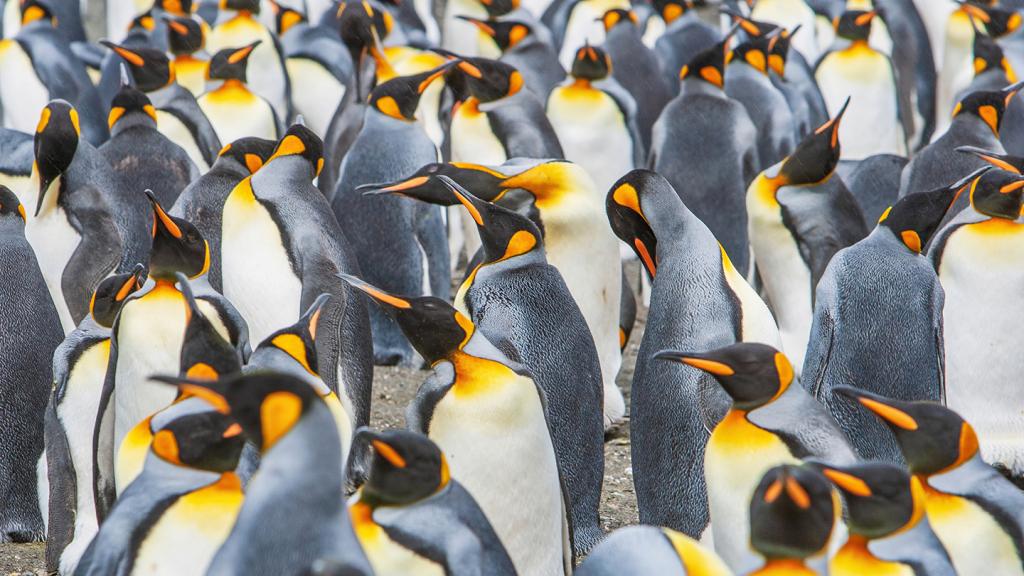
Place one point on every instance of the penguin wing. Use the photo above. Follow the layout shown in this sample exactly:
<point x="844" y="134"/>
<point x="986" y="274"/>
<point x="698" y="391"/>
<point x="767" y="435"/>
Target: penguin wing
<point x="823" y="326"/>
<point x="182" y="105"/>
<point x="98" y="252"/>
<point x="979" y="482"/>
<point x="16" y="152"/>
<point x="805" y="426"/>
<point x="628" y="106"/>
<point x="434" y="388"/>
<point x="522" y="126"/>
<point x="103" y="451"/>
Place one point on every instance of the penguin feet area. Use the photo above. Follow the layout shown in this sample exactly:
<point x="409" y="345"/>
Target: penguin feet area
<point x="511" y="287"/>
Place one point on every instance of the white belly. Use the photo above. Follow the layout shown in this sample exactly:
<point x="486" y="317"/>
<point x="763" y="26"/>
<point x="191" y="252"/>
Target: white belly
<point x="234" y="118"/>
<point x="975" y="542"/>
<point x="177" y="132"/>
<point x="460" y="36"/>
<point x="957" y="67"/>
<point x="982" y="273"/>
<point x="258" y="277"/>
<point x="22" y="93"/>
<point x="317" y="95"/>
<point x="265" y="75"/>
<point x="54" y="242"/>
<point x="77" y="415"/>
<point x="498" y="446"/>
<point x="593" y="133"/>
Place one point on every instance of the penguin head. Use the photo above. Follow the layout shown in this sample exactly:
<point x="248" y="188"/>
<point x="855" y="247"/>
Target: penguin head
<point x="285" y="18"/>
<point x="406" y="467"/>
<point x="854" y="25"/>
<point x="997" y="20"/>
<point x="755" y="52"/>
<point x="434" y="328"/>
<point x="915" y="217"/>
<point x="504" y="233"/>
<point x="998" y="194"/>
<point x="709" y="65"/>
<point x="300" y="141"/>
<point x="206" y="440"/>
<point x="143" y="22"/>
<point x="177" y="246"/>
<point x="298" y="341"/>
<point x="616" y="16"/>
<point x="184" y="35"/>
<point x="266" y="404"/>
<point x="591" y="63"/>
<point x="988" y="55"/>
<point x="399" y="97"/>
<point x="10" y="206"/>
<point x="231" y="63"/>
<point x="362" y="28"/>
<point x="488" y="80"/>
<point x="424" y="183"/>
<point x="631" y="207"/>
<point x="792" y="513"/>
<point x="881" y="498"/>
<point x="671" y="10"/>
<point x="249" y="6"/>
<point x="932" y="438"/>
<point x="175" y="7"/>
<point x="56" y="142"/>
<point x="505" y="33"/>
<point x="205" y="354"/>
<point x="112" y="292"/>
<point x="752" y="374"/>
<point x="778" y="50"/>
<point x="150" y="67"/>
<point x="817" y="155"/>
<point x="250" y="152"/>
<point x="130" y="103"/>
<point x="36" y="11"/>
<point x="752" y="28"/>
<point x="988" y="105"/>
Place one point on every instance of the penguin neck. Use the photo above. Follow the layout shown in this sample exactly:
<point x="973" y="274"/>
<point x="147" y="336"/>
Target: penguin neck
<point x="699" y="87"/>
<point x="970" y="126"/>
<point x="232" y="85"/>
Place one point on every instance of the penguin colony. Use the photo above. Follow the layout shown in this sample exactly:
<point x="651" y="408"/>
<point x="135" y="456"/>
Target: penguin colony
<point x="216" y="220"/>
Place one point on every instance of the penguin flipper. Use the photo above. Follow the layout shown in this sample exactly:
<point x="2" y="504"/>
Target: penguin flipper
<point x="60" y="471"/>
<point x="97" y="254"/>
<point x="103" y="486"/>
<point x="434" y="388"/>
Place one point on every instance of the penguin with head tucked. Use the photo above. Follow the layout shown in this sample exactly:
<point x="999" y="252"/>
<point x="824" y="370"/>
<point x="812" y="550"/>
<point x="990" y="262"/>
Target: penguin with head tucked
<point x="883" y="276"/>
<point x="411" y="516"/>
<point x="278" y="233"/>
<point x="685" y="36"/>
<point x="79" y="370"/>
<point x="526" y="51"/>
<point x="792" y="517"/>
<point x="772" y="421"/>
<point x="187" y="493"/>
<point x="673" y="409"/>
<point x="651" y="550"/>
<point x="202" y="202"/>
<point x="233" y="109"/>
<point x="496" y="425"/>
<point x="32" y="331"/>
<point x="974" y="510"/>
<point x="83" y="223"/>
<point x="186" y="40"/>
<point x="238" y="25"/>
<point x="400" y="243"/>
<point x="705" y="145"/>
<point x="595" y="119"/>
<point x="36" y="66"/>
<point x="144" y="158"/>
<point x="299" y="482"/>
<point x="889" y="530"/>
<point x="178" y="115"/>
<point x="976" y="122"/>
<point x="800" y="215"/>
<point x="977" y="257"/>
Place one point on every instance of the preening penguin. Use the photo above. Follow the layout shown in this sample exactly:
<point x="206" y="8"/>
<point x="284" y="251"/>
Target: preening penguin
<point x="651" y="550"/>
<point x="232" y="108"/>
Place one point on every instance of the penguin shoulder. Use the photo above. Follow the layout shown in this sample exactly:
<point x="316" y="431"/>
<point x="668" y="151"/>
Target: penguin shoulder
<point x="805" y="426"/>
<point x="420" y="411"/>
<point x="979" y="482"/>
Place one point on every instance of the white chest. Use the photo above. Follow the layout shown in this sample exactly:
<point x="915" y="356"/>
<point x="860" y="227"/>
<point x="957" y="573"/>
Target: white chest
<point x="21" y="92"/>
<point x="265" y="74"/>
<point x="237" y="114"/>
<point x="593" y="133"/>
<point x="54" y="242"/>
<point x="473" y="140"/>
<point x="318" y="93"/>
<point x="975" y="542"/>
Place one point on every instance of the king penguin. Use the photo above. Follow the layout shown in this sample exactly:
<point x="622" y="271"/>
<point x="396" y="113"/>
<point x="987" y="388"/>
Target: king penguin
<point x="526" y="50"/>
<point x="232" y="108"/>
<point x="705" y="145"/>
<point x="789" y="14"/>
<point x="800" y="215"/>
<point x="186" y="40"/>
<point x="79" y="370"/>
<point x="760" y="430"/>
<point x="883" y="276"/>
<point x="651" y="550"/>
<point x="412" y="517"/>
<point x="16" y="158"/>
<point x="32" y="331"/>
<point x="976" y="512"/>
<point x="299" y="481"/>
<point x="491" y="420"/>
<point x="685" y="36"/>
<point x="889" y="530"/>
<point x="669" y="420"/>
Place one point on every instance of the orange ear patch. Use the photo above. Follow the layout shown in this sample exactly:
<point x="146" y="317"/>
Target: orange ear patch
<point x="278" y="414"/>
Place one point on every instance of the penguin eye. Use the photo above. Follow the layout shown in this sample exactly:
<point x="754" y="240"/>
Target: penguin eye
<point x="192" y="237"/>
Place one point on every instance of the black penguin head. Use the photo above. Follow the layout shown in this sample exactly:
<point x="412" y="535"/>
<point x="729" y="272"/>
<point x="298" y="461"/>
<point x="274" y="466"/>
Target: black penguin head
<point x="755" y="52"/>
<point x="150" y="67"/>
<point x="998" y="21"/>
<point x="628" y="215"/>
<point x="616" y="16"/>
<point x="989" y="106"/>
<point x="36" y="11"/>
<point x="231" y="63"/>
<point x="301" y="141"/>
<point x="56" y="141"/>
<point x="298" y="341"/>
<point x="129" y="102"/>
<point x="286" y="18"/>
<point x="434" y="328"/>
<point x="250" y="6"/>
<point x="10" y="206"/>
<point x="988" y="55"/>
<point x="205" y="440"/>
<point x="362" y="28"/>
<point x="915" y="217"/>
<point x="177" y="246"/>
<point x="251" y="152"/>
<point x="792" y="513"/>
<point x="505" y="33"/>
<point x="266" y="404"/>
<point x="932" y="438"/>
<point x="670" y="10"/>
<point x="778" y="50"/>
<point x="752" y="374"/>
<point x="406" y="467"/>
<point x="998" y="194"/>
<point x="504" y="233"/>
<point x="184" y="35"/>
<point x="881" y="498"/>
<point x="488" y="80"/>
<point x="854" y="25"/>
<point x="709" y="65"/>
<point x="399" y="97"/>
<point x="591" y="63"/>
<point x="424" y="184"/>
<point x="205" y="354"/>
<point x="496" y="8"/>
<point x="175" y="7"/>
<point x="112" y="292"/>
<point x="817" y="155"/>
